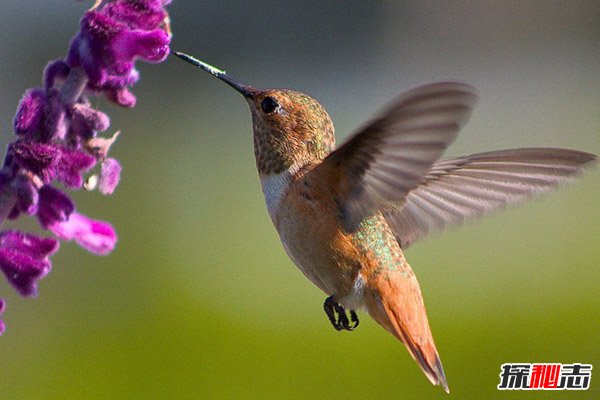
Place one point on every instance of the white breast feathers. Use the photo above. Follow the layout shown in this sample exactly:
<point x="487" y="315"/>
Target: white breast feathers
<point x="274" y="187"/>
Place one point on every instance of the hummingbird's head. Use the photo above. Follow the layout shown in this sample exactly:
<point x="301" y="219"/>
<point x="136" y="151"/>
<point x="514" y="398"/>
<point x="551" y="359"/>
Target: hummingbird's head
<point x="291" y="129"/>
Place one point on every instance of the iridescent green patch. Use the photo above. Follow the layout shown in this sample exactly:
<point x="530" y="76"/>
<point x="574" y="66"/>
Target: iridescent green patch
<point x="374" y="238"/>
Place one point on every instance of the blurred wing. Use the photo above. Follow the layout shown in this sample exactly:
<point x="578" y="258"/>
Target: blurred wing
<point x="470" y="186"/>
<point x="391" y="155"/>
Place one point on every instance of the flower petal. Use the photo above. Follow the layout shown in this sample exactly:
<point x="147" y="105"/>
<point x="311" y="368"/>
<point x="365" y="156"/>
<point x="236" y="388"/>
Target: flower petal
<point x="99" y="237"/>
<point x="24" y="259"/>
<point x="54" y="206"/>
<point x="26" y="243"/>
<point x="73" y="163"/>
<point x="23" y="271"/>
<point x="152" y="45"/>
<point x="39" y="158"/>
<point x="137" y="14"/>
<point x="49" y="161"/>
<point x="110" y="174"/>
<point x="87" y="122"/>
<point x="121" y="96"/>
<point x="30" y="112"/>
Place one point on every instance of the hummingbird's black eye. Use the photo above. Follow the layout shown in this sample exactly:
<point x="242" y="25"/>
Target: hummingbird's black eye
<point x="268" y="105"/>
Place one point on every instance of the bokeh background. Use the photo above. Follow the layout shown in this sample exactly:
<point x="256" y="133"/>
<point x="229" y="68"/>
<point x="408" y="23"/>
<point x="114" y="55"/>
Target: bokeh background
<point x="199" y="299"/>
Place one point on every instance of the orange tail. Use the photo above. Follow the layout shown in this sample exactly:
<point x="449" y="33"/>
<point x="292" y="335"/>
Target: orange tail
<point x="394" y="300"/>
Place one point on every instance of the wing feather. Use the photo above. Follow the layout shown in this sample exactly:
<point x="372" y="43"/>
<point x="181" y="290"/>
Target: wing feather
<point x="390" y="156"/>
<point x="457" y="189"/>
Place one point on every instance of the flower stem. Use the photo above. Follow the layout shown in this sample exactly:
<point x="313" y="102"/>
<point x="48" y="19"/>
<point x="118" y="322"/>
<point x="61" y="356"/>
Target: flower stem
<point x="73" y="86"/>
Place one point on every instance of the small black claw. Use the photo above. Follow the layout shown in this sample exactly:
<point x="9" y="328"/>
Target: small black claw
<point x="342" y="322"/>
<point x="328" y="306"/>
<point x="342" y="317"/>
<point x="354" y="319"/>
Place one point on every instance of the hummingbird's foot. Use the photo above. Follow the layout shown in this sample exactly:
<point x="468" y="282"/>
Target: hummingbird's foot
<point x="341" y="322"/>
<point x="354" y="319"/>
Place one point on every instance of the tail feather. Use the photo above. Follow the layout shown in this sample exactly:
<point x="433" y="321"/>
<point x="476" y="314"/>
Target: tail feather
<point x="394" y="300"/>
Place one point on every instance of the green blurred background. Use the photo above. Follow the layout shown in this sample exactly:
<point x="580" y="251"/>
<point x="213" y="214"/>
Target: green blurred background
<point x="199" y="299"/>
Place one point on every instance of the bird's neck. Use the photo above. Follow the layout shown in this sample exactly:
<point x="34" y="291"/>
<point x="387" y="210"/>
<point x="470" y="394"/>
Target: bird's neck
<point x="275" y="155"/>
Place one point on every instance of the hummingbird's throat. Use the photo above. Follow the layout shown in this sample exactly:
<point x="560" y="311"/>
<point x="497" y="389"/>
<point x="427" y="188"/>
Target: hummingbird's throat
<point x="272" y="156"/>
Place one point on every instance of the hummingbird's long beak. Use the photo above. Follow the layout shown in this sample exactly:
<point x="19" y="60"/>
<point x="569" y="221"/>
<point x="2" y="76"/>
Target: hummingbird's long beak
<point x="245" y="90"/>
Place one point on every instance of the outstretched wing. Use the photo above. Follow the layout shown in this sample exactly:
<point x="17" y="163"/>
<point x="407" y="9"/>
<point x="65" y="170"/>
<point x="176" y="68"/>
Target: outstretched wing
<point x="390" y="156"/>
<point x="473" y="185"/>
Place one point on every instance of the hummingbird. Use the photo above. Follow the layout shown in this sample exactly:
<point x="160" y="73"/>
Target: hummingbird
<point x="345" y="215"/>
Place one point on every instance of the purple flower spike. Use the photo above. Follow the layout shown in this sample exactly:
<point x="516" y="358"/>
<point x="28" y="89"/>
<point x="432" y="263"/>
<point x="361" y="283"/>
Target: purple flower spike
<point x="99" y="237"/>
<point x="30" y="111"/>
<point x="54" y="207"/>
<point x="58" y="140"/>
<point x="110" y="174"/>
<point x="24" y="259"/>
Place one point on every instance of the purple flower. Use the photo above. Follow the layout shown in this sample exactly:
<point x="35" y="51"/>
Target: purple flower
<point x="73" y="163"/>
<point x="116" y="88"/>
<point x="37" y="158"/>
<point x="58" y="138"/>
<point x="112" y="37"/>
<point x="96" y="236"/>
<point x="54" y="206"/>
<point x="138" y="14"/>
<point x="30" y="111"/>
<point x="51" y="161"/>
<point x="110" y="174"/>
<point x="87" y="122"/>
<point x="24" y="259"/>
